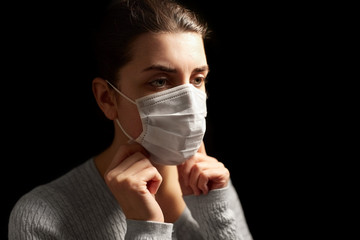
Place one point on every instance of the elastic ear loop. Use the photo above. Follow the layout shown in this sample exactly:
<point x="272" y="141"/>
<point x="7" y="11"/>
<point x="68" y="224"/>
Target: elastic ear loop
<point x="122" y="129"/>
<point x="117" y="120"/>
<point x="123" y="95"/>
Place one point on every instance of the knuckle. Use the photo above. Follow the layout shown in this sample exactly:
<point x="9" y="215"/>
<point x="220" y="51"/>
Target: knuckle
<point x="115" y="180"/>
<point x="144" y="162"/>
<point x="109" y="177"/>
<point x="198" y="166"/>
<point x="203" y="175"/>
<point x="127" y="182"/>
<point x="153" y="169"/>
<point x="227" y="173"/>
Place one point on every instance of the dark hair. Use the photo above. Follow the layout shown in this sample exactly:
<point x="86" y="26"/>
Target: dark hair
<point x="125" y="20"/>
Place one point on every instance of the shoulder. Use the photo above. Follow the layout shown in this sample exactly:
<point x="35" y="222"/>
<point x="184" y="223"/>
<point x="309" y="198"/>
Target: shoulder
<point x="64" y="200"/>
<point x="82" y="181"/>
<point x="64" y="187"/>
<point x="33" y="210"/>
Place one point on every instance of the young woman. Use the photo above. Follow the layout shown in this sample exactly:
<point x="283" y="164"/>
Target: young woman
<point x="155" y="181"/>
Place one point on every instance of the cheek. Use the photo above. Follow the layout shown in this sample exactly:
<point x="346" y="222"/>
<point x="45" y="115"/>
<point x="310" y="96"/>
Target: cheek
<point x="129" y="119"/>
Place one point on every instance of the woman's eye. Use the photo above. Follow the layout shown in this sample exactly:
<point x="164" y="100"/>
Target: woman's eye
<point x="198" y="82"/>
<point x="158" y="83"/>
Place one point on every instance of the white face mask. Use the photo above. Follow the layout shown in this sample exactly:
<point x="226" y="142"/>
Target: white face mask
<point x="173" y="123"/>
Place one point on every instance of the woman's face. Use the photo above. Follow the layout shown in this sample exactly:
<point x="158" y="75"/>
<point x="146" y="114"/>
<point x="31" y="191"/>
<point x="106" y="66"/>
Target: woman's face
<point x="159" y="62"/>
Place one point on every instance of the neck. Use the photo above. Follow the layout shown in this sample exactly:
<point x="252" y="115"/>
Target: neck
<point x="103" y="160"/>
<point x="169" y="195"/>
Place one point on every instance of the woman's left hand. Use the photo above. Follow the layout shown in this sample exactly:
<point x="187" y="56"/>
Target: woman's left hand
<point x="202" y="173"/>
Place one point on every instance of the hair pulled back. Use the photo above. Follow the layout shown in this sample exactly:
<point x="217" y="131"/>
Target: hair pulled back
<point x="125" y="20"/>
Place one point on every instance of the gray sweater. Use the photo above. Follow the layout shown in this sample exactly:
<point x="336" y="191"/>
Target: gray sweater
<point x="80" y="206"/>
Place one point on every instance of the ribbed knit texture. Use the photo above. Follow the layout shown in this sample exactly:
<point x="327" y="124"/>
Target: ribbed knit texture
<point x="80" y="206"/>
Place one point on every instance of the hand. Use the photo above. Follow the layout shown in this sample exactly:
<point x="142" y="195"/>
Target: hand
<point x="134" y="181"/>
<point x="202" y="173"/>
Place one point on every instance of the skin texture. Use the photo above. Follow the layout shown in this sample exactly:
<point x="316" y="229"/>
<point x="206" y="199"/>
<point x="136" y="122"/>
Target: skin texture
<point x="144" y="190"/>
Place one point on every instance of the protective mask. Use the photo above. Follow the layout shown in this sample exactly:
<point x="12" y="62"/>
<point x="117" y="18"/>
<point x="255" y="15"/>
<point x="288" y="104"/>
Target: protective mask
<point x="173" y="123"/>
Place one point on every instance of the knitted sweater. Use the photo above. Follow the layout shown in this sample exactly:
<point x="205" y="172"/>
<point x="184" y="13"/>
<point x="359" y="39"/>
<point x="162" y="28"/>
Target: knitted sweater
<point x="79" y="205"/>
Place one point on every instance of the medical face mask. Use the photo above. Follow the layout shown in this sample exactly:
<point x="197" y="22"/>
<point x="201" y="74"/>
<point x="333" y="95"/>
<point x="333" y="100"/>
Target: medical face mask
<point x="173" y="123"/>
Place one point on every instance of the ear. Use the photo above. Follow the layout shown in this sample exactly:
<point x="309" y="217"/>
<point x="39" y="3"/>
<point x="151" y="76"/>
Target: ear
<point x="104" y="98"/>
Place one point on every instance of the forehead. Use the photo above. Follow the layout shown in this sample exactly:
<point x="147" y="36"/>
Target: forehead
<point x="178" y="50"/>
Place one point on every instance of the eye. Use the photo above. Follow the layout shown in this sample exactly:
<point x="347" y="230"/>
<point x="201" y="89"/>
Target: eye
<point x="198" y="81"/>
<point x="158" y="83"/>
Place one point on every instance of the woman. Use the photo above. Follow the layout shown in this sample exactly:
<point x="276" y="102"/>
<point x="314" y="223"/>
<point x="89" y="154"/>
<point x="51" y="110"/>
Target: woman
<point x="155" y="181"/>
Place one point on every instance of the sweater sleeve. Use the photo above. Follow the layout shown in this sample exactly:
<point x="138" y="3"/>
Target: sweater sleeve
<point x="219" y="214"/>
<point x="147" y="230"/>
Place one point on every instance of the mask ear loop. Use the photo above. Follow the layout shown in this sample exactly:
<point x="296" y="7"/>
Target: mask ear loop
<point x="131" y="140"/>
<point x="117" y="120"/>
<point x="123" y="95"/>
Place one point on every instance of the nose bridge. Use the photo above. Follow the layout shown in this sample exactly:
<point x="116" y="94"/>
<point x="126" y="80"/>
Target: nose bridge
<point x="184" y="75"/>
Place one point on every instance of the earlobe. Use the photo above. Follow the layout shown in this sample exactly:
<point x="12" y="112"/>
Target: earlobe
<point x="104" y="98"/>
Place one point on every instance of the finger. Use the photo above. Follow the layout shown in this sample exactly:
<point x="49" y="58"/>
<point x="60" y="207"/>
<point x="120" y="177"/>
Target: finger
<point x="203" y="173"/>
<point x="153" y="179"/>
<point x="139" y="165"/>
<point x="203" y="182"/>
<point x="194" y="178"/>
<point x="136" y="162"/>
<point x="217" y="178"/>
<point x="148" y="179"/>
<point x="124" y="166"/>
<point x="142" y="168"/>
<point x="121" y="171"/>
<point x="198" y="179"/>
<point x="185" y="170"/>
<point x="200" y="157"/>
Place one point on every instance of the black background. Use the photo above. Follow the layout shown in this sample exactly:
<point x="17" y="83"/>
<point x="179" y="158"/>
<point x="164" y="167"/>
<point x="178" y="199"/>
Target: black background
<point x="51" y="123"/>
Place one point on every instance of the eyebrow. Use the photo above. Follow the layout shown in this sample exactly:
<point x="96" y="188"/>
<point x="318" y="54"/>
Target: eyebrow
<point x="162" y="68"/>
<point x="204" y="68"/>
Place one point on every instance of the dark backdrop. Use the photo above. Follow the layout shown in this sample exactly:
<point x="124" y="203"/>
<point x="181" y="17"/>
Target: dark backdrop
<point x="50" y="121"/>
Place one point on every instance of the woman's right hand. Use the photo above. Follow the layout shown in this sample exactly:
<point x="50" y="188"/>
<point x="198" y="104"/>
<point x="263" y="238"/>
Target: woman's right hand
<point x="134" y="181"/>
